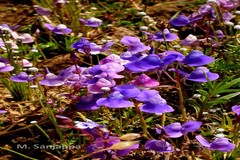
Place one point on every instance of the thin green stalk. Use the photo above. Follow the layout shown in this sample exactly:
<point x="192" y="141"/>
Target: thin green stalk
<point x="20" y="154"/>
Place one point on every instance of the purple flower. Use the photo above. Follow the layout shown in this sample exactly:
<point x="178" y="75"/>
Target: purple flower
<point x="101" y="143"/>
<point x="128" y="90"/>
<point x="227" y="4"/>
<point x="59" y="29"/>
<point x="143" y="81"/>
<point x="175" y="130"/>
<point x="51" y="79"/>
<point x="160" y="146"/>
<point x="159" y="36"/>
<point x="115" y="100"/>
<point x="84" y="46"/>
<point x="197" y="58"/>
<point x="134" y="44"/>
<point x="218" y="33"/>
<point x="106" y="46"/>
<point x="22" y="77"/>
<point x="220" y="144"/>
<point x="97" y="84"/>
<point x="189" y="40"/>
<point x="153" y="102"/>
<point x="111" y="69"/>
<point x="236" y="109"/>
<point x="144" y="63"/>
<point x="113" y="58"/>
<point x="88" y="102"/>
<point x="179" y="56"/>
<point x="43" y="11"/>
<point x="27" y="38"/>
<point x="4" y="65"/>
<point x="87" y="124"/>
<point x="3" y="111"/>
<point x="200" y="74"/>
<point x="91" y="22"/>
<point x="181" y="20"/>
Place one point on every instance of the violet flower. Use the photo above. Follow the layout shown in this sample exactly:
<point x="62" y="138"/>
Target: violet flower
<point x="144" y="81"/>
<point x="179" y="56"/>
<point x="179" y="21"/>
<point x="160" y="146"/>
<point x="189" y="40"/>
<point x="200" y="74"/>
<point x="175" y="130"/>
<point x="43" y="11"/>
<point x="95" y="85"/>
<point x="87" y="124"/>
<point x="3" y="111"/>
<point x="134" y="44"/>
<point x="59" y="29"/>
<point x="27" y="38"/>
<point x="22" y="77"/>
<point x="113" y="58"/>
<point x="219" y="144"/>
<point x="236" y="109"/>
<point x="197" y="58"/>
<point x="4" y="65"/>
<point x="165" y="35"/>
<point x="153" y="102"/>
<point x="91" y="22"/>
<point x="51" y="79"/>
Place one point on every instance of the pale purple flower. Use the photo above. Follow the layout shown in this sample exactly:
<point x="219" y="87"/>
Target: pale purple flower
<point x="153" y="102"/>
<point x="5" y="66"/>
<point x="144" y="81"/>
<point x="43" y="11"/>
<point x="91" y="22"/>
<point x="134" y="44"/>
<point x="220" y="144"/>
<point x="189" y="40"/>
<point x="3" y="111"/>
<point x="160" y="146"/>
<point x="22" y="77"/>
<point x="59" y="29"/>
<point x="159" y="36"/>
<point x="200" y="74"/>
<point x="97" y="83"/>
<point x="176" y="130"/>
<point x="87" y="124"/>
<point x="236" y="109"/>
<point x="25" y="63"/>
<point x="27" y="38"/>
<point x="197" y="58"/>
<point x="84" y="46"/>
<point x="51" y="79"/>
<point x="113" y="58"/>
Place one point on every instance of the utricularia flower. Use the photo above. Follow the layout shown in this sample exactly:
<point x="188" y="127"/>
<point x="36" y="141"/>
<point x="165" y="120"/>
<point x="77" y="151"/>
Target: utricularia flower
<point x="160" y="146"/>
<point x="219" y="144"/>
<point x="59" y="29"/>
<point x="92" y="22"/>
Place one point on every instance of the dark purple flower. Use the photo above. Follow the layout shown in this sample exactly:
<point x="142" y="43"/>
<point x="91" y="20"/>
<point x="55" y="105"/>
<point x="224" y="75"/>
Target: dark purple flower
<point x="143" y="81"/>
<point x="88" y="102"/>
<point x="175" y="130"/>
<point x="91" y="22"/>
<point x="181" y="20"/>
<point x="218" y="33"/>
<point x="220" y="144"/>
<point x="59" y="29"/>
<point x="4" y="65"/>
<point x="197" y="58"/>
<point x="43" y="11"/>
<point x="153" y="102"/>
<point x="159" y="36"/>
<point x="22" y="77"/>
<point x="200" y="74"/>
<point x="160" y="146"/>
<point x="236" y="109"/>
<point x="134" y="44"/>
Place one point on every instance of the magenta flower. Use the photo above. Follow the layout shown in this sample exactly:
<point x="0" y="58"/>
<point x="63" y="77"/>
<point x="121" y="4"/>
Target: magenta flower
<point x="91" y="22"/>
<point x="144" y="81"/>
<point x="219" y="144"/>
<point x="160" y="146"/>
<point x="200" y="74"/>
<point x="59" y="29"/>
<point x="134" y="44"/>
<point x="95" y="85"/>
<point x="236" y="109"/>
<point x="159" y="36"/>
<point x="153" y="102"/>
<point x="197" y="58"/>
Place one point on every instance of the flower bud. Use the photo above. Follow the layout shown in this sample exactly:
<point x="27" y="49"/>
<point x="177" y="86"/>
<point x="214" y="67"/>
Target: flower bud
<point x="130" y="136"/>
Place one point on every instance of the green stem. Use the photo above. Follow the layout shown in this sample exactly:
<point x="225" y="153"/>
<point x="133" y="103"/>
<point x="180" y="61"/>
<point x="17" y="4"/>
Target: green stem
<point x="181" y="101"/>
<point x="20" y="154"/>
